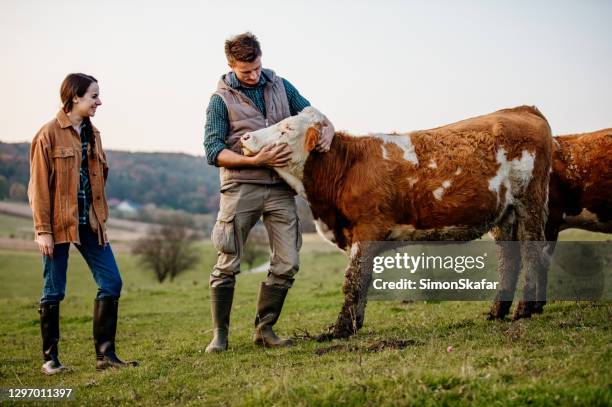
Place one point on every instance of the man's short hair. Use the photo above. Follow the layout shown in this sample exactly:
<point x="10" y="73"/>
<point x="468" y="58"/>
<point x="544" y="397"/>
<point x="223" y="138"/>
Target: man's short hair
<point x="242" y="47"/>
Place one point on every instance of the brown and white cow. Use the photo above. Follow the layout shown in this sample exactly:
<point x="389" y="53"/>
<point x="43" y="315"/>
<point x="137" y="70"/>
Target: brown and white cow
<point x="580" y="197"/>
<point x="581" y="183"/>
<point x="449" y="183"/>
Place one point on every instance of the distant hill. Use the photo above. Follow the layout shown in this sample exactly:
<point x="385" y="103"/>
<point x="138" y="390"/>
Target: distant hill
<point x="169" y="180"/>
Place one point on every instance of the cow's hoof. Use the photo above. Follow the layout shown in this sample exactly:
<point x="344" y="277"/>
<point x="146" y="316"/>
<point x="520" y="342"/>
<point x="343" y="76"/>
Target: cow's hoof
<point x="324" y="337"/>
<point x="538" y="307"/>
<point x="524" y="309"/>
<point x="342" y="330"/>
<point x="499" y="310"/>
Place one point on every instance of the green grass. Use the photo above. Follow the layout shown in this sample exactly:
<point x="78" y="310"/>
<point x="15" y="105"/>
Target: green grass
<point x="562" y="357"/>
<point x="15" y="227"/>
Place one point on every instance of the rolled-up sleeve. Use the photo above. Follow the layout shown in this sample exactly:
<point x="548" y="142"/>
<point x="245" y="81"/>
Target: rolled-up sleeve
<point x="216" y="129"/>
<point x="38" y="187"/>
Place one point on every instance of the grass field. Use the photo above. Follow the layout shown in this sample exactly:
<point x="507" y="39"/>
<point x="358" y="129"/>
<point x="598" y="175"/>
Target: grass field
<point x="400" y="357"/>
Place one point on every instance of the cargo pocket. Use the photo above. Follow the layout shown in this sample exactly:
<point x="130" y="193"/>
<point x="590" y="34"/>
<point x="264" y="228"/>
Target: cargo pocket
<point x="224" y="234"/>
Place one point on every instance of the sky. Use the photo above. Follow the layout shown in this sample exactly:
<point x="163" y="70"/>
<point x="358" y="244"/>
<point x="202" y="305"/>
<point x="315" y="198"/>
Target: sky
<point x="370" y="66"/>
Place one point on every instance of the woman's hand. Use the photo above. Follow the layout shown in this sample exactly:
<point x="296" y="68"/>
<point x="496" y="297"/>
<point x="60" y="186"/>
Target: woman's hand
<point x="45" y="244"/>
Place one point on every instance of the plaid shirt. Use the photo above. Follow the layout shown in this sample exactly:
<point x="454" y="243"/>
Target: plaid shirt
<point x="84" y="194"/>
<point x="217" y="125"/>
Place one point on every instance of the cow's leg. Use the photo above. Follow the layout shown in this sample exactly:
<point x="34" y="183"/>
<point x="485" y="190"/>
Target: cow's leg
<point x="531" y="223"/>
<point x="508" y="269"/>
<point x="356" y="282"/>
<point x="552" y="234"/>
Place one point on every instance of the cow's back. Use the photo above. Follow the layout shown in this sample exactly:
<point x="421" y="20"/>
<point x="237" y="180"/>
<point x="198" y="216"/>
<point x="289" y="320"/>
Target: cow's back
<point x="581" y="181"/>
<point x="460" y="163"/>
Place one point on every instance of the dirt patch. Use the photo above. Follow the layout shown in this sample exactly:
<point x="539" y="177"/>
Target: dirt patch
<point x="373" y="347"/>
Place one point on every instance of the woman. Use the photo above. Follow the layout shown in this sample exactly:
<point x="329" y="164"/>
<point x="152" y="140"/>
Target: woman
<point x="68" y="172"/>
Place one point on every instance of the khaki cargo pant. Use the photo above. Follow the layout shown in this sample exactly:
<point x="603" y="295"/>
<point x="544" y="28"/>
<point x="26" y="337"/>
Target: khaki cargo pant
<point x="241" y="207"/>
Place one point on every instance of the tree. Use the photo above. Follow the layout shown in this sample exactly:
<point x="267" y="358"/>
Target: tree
<point x="4" y="188"/>
<point x="18" y="192"/>
<point x="168" y="250"/>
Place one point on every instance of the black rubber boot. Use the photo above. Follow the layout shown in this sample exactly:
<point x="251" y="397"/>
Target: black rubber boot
<point x="49" y="329"/>
<point x="220" y="306"/>
<point x="269" y="306"/>
<point x="104" y="329"/>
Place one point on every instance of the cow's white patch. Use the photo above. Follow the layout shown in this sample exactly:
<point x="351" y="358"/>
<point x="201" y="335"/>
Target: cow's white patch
<point x="432" y="164"/>
<point x="354" y="250"/>
<point x="458" y="171"/>
<point x="384" y="152"/>
<point x="403" y="141"/>
<point x="514" y="175"/>
<point x="522" y="169"/>
<point x="324" y="231"/>
<point x="292" y="131"/>
<point x="438" y="192"/>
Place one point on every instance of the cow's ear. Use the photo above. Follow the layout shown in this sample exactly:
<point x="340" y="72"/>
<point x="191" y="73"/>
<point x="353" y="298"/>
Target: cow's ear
<point x="312" y="138"/>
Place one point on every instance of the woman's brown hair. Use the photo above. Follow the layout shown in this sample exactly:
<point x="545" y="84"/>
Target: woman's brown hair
<point x="76" y="84"/>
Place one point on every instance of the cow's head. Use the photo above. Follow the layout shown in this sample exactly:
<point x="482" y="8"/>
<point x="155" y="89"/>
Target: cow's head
<point x="300" y="132"/>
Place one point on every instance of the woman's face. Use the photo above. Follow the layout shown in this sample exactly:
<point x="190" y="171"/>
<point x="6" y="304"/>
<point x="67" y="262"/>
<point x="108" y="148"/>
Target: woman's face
<point x="86" y="105"/>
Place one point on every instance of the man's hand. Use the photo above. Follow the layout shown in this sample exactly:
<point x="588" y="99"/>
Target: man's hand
<point x="326" y="136"/>
<point x="45" y="244"/>
<point x="273" y="155"/>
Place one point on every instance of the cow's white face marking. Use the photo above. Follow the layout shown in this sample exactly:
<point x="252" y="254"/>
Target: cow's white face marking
<point x="292" y="131"/>
<point x="403" y="141"/>
<point x="514" y="175"/>
<point x="412" y="181"/>
<point x="432" y="164"/>
<point x="458" y="171"/>
<point x="438" y="192"/>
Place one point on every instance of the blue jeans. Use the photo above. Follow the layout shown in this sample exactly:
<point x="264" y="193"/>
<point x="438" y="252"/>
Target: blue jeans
<point x="100" y="260"/>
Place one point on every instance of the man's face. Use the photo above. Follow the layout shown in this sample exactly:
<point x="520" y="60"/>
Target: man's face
<point x="247" y="72"/>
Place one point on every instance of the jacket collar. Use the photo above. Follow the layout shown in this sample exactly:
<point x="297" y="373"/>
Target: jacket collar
<point x="62" y="119"/>
<point x="232" y="81"/>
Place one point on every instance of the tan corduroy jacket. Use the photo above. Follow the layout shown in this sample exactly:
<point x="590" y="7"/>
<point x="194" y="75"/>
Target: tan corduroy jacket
<point x="55" y="161"/>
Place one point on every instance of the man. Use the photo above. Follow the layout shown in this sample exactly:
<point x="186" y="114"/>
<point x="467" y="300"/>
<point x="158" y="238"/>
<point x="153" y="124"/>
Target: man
<point x="249" y="98"/>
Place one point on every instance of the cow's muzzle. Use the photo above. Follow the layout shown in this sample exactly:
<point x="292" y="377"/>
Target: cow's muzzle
<point x="244" y="141"/>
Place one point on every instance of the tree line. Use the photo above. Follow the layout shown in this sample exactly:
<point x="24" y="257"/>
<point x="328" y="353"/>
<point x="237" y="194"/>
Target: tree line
<point x="169" y="180"/>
